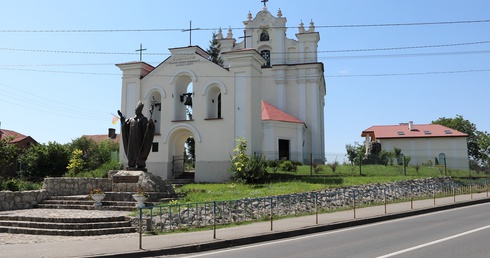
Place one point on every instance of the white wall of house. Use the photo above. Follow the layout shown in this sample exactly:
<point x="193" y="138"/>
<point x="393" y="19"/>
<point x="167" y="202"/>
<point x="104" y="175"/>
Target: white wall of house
<point x="422" y="150"/>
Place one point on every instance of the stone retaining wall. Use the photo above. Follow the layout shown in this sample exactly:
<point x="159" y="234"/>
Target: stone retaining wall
<point x="53" y="186"/>
<point x="21" y="200"/>
<point x="226" y="212"/>
<point x="63" y="186"/>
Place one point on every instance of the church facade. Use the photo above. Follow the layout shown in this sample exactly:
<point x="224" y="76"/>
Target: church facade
<point x="269" y="91"/>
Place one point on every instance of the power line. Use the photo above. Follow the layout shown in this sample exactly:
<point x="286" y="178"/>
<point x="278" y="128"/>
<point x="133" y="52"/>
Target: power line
<point x="409" y="74"/>
<point x="320" y="51"/>
<point x="77" y="52"/>
<point x="52" y="106"/>
<point x="241" y="28"/>
<point x="231" y="76"/>
<point x="407" y="55"/>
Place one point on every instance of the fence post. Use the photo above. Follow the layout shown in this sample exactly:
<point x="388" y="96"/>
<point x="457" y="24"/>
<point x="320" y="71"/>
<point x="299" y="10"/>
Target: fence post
<point x="214" y="220"/>
<point x="411" y="198"/>
<point x="272" y="214"/>
<point x="354" y="202"/>
<point x="454" y="194"/>
<point x="141" y="228"/>
<point x="316" y="208"/>
<point x="434" y="194"/>
<point x="471" y="190"/>
<point x="384" y="197"/>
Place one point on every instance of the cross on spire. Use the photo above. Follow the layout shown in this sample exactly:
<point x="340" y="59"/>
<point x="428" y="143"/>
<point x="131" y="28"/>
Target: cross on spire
<point x="245" y="38"/>
<point x="190" y="32"/>
<point x="264" y="1"/>
<point x="141" y="51"/>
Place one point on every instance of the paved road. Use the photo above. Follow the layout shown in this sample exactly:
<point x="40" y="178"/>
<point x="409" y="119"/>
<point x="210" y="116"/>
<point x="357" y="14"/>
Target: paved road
<point x="259" y="232"/>
<point x="460" y="232"/>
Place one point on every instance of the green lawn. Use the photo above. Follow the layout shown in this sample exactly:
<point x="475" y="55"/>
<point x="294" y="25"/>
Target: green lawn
<point x="305" y="180"/>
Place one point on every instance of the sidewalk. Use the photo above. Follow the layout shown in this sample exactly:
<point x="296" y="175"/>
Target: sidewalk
<point x="232" y="236"/>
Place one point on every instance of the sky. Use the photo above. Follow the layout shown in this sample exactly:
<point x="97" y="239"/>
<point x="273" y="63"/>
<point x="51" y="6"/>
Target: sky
<point x="385" y="62"/>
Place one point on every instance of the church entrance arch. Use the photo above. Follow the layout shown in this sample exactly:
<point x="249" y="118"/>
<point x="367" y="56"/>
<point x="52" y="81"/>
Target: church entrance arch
<point x="182" y="154"/>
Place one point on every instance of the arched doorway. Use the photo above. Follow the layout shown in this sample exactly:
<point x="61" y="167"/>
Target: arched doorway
<point x="182" y="152"/>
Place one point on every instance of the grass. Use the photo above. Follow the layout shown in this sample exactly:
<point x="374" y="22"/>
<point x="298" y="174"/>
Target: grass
<point x="282" y="183"/>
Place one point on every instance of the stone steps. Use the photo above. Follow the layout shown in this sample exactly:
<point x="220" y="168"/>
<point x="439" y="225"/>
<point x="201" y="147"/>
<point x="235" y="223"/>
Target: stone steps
<point x="83" y="203"/>
<point x="65" y="226"/>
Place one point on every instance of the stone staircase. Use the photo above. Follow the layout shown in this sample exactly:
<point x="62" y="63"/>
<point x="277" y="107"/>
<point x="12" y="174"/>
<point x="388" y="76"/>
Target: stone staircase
<point x="79" y="225"/>
<point x="84" y="203"/>
<point x="65" y="226"/>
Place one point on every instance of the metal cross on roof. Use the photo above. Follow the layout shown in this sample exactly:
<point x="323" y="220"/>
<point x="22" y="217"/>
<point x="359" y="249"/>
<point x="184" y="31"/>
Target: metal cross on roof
<point x="190" y="32"/>
<point x="264" y="1"/>
<point x="141" y="51"/>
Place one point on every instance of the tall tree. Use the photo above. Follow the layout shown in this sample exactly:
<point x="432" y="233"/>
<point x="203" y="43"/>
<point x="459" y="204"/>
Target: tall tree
<point x="8" y="151"/>
<point x="45" y="160"/>
<point x="465" y="126"/>
<point x="214" y="50"/>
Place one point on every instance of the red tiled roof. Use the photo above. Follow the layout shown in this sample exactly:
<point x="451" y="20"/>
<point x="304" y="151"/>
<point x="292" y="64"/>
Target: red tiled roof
<point x="418" y="131"/>
<point x="271" y="113"/>
<point x="99" y="137"/>
<point x="17" y="137"/>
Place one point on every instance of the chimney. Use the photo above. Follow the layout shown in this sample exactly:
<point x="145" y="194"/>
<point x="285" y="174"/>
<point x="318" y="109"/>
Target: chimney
<point x="112" y="133"/>
<point x="410" y="126"/>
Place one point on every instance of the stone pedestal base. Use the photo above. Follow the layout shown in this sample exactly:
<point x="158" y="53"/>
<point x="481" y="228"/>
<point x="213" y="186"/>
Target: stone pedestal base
<point x="137" y="180"/>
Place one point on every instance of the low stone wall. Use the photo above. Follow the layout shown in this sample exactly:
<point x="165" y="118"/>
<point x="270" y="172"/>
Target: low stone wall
<point x="21" y="200"/>
<point x="225" y="212"/>
<point x="62" y="186"/>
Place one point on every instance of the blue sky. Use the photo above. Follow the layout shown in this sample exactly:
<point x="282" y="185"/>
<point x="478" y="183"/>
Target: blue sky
<point x="58" y="80"/>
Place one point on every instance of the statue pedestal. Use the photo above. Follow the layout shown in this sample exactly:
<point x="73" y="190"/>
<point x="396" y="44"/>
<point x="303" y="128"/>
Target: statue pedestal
<point x="132" y="181"/>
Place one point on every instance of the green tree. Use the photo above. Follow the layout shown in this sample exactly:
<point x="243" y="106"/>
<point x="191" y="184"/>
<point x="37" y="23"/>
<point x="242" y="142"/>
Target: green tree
<point x="476" y="147"/>
<point x="44" y="160"/>
<point x="8" y="151"/>
<point x="353" y="152"/>
<point x="214" y="50"/>
<point x="76" y="164"/>
<point x="93" y="155"/>
<point x="190" y="149"/>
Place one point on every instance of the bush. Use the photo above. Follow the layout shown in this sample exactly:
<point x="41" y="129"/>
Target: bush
<point x="333" y="165"/>
<point x="288" y="166"/>
<point x="100" y="172"/>
<point x="247" y="169"/>
<point x="12" y="185"/>
<point x="274" y="164"/>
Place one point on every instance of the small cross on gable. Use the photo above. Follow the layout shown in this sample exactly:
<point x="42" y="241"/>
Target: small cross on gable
<point x="264" y="1"/>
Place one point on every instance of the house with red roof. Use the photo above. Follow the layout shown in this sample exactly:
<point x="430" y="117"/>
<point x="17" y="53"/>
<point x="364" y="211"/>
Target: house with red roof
<point x="111" y="135"/>
<point x="22" y="142"/>
<point x="424" y="143"/>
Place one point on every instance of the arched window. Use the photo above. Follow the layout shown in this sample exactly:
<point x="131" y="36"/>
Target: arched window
<point x="183" y="98"/>
<point x="266" y="54"/>
<point x="213" y="109"/>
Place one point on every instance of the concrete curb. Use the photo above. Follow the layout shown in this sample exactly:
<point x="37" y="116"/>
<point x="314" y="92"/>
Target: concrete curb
<point x="200" y="247"/>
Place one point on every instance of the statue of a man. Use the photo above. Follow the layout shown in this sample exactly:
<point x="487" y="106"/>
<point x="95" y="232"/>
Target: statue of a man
<point x="137" y="135"/>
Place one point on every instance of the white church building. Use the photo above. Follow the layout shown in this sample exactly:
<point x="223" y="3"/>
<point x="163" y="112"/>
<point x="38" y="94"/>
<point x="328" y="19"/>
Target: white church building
<point x="269" y="91"/>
